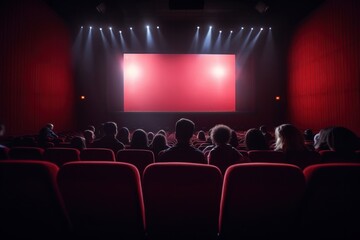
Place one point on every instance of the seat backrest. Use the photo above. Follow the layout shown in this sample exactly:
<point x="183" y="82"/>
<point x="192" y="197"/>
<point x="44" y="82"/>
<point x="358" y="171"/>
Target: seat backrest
<point x="22" y="153"/>
<point x="303" y="159"/>
<point x="104" y="199"/>
<point x="59" y="156"/>
<point x="331" y="207"/>
<point x="261" y="201"/>
<point x="138" y="157"/>
<point x="330" y="156"/>
<point x="97" y="154"/>
<point x="31" y="206"/>
<point x="268" y="156"/>
<point x="182" y="200"/>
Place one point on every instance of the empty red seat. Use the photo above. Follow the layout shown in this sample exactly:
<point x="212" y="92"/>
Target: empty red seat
<point x="104" y="199"/>
<point x="22" y="153"/>
<point x="261" y="201"/>
<point x="138" y="157"/>
<point x="182" y="200"/>
<point x="59" y="156"/>
<point x="97" y="154"/>
<point x="332" y="202"/>
<point x="30" y="204"/>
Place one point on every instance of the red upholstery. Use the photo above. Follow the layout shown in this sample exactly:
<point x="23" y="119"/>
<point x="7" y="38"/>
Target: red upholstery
<point x="329" y="156"/>
<point x="97" y="154"/>
<point x="332" y="203"/>
<point x="59" y="156"/>
<point x="22" y="153"/>
<point x="303" y="159"/>
<point x="182" y="200"/>
<point x="30" y="204"/>
<point x="138" y="157"/>
<point x="260" y="201"/>
<point x="268" y="156"/>
<point x="104" y="199"/>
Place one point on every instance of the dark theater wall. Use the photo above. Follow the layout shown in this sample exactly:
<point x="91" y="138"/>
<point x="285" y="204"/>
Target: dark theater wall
<point x="36" y="84"/>
<point x="324" y="68"/>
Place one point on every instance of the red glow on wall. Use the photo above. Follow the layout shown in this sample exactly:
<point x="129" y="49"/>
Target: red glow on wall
<point x="179" y="83"/>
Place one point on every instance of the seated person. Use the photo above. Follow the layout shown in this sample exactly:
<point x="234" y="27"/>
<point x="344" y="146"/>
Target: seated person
<point x="78" y="143"/>
<point x="158" y="144"/>
<point x="47" y="137"/>
<point x="89" y="136"/>
<point x="124" y="136"/>
<point x="109" y="139"/>
<point x="182" y="151"/>
<point x="255" y="140"/>
<point x="223" y="154"/>
<point x="139" y="140"/>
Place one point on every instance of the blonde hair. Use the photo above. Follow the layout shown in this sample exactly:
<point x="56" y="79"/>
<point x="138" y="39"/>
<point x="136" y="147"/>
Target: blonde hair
<point x="289" y="138"/>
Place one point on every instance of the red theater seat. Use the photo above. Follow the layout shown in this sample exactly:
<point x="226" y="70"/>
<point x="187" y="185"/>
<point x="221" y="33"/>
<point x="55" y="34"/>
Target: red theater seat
<point x="138" y="157"/>
<point x="329" y="156"/>
<point x="22" y="153"/>
<point x="261" y="201"/>
<point x="104" y="199"/>
<point x="59" y="156"/>
<point x="268" y="156"/>
<point x="182" y="200"/>
<point x="332" y="202"/>
<point x="97" y="154"/>
<point x="30" y="203"/>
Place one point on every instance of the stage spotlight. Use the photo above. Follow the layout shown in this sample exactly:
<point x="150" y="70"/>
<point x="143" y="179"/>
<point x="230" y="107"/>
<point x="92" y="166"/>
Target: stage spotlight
<point x="147" y="26"/>
<point x="110" y="28"/>
<point x="120" y="31"/>
<point x="242" y="28"/>
<point x="220" y="31"/>
<point x="90" y="27"/>
<point x="82" y="27"/>
<point x="100" y="29"/>
<point x="130" y="28"/>
<point x="157" y="27"/>
<point x="198" y="27"/>
<point x="210" y="27"/>
<point x="261" y="29"/>
<point x="231" y="31"/>
<point x="269" y="28"/>
<point x="252" y="29"/>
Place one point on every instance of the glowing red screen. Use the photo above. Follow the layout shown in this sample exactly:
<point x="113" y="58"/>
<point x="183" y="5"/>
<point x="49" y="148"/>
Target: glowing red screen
<point x="179" y="83"/>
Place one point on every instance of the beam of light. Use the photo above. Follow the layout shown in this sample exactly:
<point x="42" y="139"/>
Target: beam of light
<point x="250" y="47"/>
<point x="161" y="43"/>
<point x="217" y="45"/>
<point x="113" y="39"/>
<point x="88" y="54"/>
<point x="207" y="41"/>
<point x="134" y="42"/>
<point x="226" y="46"/>
<point x="105" y="41"/>
<point x="195" y="41"/>
<point x="122" y="42"/>
<point x="149" y="39"/>
<point x="242" y="47"/>
<point x="77" y="46"/>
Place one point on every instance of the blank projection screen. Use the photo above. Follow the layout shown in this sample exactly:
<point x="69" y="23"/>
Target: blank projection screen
<point x="179" y="82"/>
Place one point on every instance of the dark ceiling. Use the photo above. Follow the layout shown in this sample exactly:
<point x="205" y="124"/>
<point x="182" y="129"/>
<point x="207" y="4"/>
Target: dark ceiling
<point x="122" y="12"/>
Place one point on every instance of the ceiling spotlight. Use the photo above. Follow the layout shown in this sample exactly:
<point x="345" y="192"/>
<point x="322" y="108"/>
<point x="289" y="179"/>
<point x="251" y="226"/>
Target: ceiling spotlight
<point x="242" y="27"/>
<point x="130" y="28"/>
<point x="220" y="31"/>
<point x="110" y="28"/>
<point x="269" y="28"/>
<point x="147" y="26"/>
<point x="252" y="29"/>
<point x="198" y="27"/>
<point x="261" y="29"/>
<point x="231" y="31"/>
<point x="81" y="27"/>
<point x="157" y="27"/>
<point x="100" y="29"/>
<point x="120" y="31"/>
<point x="210" y="27"/>
<point x="90" y="27"/>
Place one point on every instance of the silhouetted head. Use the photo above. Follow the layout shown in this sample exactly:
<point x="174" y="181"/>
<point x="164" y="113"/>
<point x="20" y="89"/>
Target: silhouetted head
<point x="124" y="135"/>
<point x="184" y="130"/>
<point x="162" y="132"/>
<point x="321" y="139"/>
<point x="50" y="126"/>
<point x="89" y="136"/>
<point x="110" y="128"/>
<point x="255" y="140"/>
<point x="234" y="141"/>
<point x="78" y="143"/>
<point x="308" y="135"/>
<point x="341" y="139"/>
<point x="263" y="129"/>
<point x="201" y="135"/>
<point x="139" y="139"/>
<point x="221" y="134"/>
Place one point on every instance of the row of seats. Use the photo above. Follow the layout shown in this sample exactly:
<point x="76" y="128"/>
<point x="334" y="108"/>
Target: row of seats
<point x="108" y="200"/>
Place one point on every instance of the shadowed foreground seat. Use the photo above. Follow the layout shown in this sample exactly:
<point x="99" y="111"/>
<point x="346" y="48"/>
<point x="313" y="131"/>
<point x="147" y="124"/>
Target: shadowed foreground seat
<point x="261" y="201"/>
<point x="30" y="203"/>
<point x="104" y="199"/>
<point x="97" y="154"/>
<point x="182" y="200"/>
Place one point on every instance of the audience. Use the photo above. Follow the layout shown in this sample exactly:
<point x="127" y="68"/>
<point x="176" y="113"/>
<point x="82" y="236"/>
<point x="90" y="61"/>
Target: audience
<point x="201" y="136"/>
<point x="255" y="140"/>
<point x="321" y="139"/>
<point x="124" y="135"/>
<point x="139" y="140"/>
<point x="47" y="137"/>
<point x="183" y="151"/>
<point x="223" y="154"/>
<point x="78" y="143"/>
<point x="89" y="136"/>
<point x="158" y="144"/>
<point x="109" y="139"/>
<point x="234" y="141"/>
<point x="268" y="137"/>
